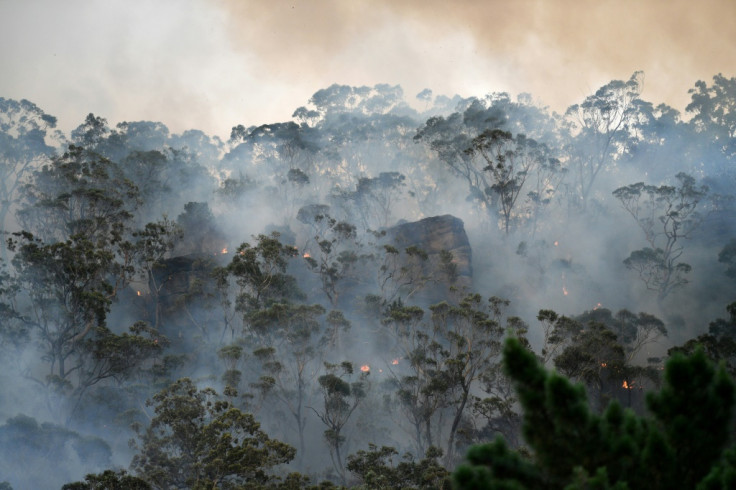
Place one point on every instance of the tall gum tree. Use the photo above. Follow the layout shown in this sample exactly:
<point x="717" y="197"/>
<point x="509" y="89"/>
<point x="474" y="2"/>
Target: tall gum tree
<point x="24" y="128"/>
<point x="667" y="215"/>
<point x="600" y="131"/>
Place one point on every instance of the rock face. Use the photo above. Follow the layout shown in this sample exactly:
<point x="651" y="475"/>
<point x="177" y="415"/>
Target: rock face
<point x="434" y="235"/>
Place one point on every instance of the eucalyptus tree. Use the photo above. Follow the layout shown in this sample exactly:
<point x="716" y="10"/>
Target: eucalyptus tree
<point x="282" y="156"/>
<point x="445" y="360"/>
<point x="496" y="146"/>
<point x="666" y="214"/>
<point x="149" y="247"/>
<point x="71" y="262"/>
<point x="79" y="193"/>
<point x="342" y="392"/>
<point x="375" y="200"/>
<point x="24" y="129"/>
<point x="713" y="109"/>
<point x="509" y="162"/>
<point x="255" y="278"/>
<point x="602" y="350"/>
<point x="290" y="358"/>
<point x="197" y="440"/>
<point x="600" y="131"/>
<point x="334" y="252"/>
<point x="80" y="208"/>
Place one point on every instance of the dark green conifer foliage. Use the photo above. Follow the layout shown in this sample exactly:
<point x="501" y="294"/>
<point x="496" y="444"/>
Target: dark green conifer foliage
<point x="681" y="445"/>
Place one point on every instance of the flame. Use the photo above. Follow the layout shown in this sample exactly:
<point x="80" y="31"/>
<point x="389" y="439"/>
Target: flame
<point x="596" y="306"/>
<point x="138" y="293"/>
<point x="564" y="291"/>
<point x="365" y="368"/>
<point x="557" y="243"/>
<point x="564" y="285"/>
<point x="224" y="250"/>
<point x="603" y="364"/>
<point x="627" y="386"/>
<point x="306" y="255"/>
<point x="395" y="361"/>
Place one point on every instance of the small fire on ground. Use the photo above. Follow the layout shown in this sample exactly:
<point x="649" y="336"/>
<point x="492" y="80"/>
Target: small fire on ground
<point x="627" y="386"/>
<point x="365" y="368"/>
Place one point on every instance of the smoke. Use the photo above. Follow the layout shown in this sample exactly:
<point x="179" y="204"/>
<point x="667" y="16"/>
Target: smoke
<point x="164" y="61"/>
<point x="559" y="51"/>
<point x="213" y="64"/>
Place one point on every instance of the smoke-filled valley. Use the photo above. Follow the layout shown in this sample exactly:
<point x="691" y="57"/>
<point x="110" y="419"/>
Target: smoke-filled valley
<point x="326" y="299"/>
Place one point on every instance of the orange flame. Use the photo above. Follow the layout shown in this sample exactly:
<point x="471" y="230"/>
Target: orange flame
<point x="365" y="368"/>
<point x="138" y="293"/>
<point x="395" y="361"/>
<point x="564" y="291"/>
<point x="627" y="386"/>
<point x="224" y="250"/>
<point x="306" y="255"/>
<point x="556" y="243"/>
<point x="596" y="306"/>
<point x="603" y="364"/>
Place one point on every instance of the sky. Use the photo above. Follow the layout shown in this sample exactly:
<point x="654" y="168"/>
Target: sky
<point x="214" y="64"/>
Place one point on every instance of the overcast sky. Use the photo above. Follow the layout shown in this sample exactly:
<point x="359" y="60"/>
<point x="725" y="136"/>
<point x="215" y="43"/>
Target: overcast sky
<point x="213" y="64"/>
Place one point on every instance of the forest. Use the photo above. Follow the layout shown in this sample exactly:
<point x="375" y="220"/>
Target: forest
<point x="383" y="292"/>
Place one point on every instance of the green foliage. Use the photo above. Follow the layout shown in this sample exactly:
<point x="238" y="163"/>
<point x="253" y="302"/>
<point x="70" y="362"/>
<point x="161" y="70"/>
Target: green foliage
<point x="680" y="445"/>
<point x="509" y="161"/>
<point x="109" y="480"/>
<point x="336" y="254"/>
<point x="340" y="396"/>
<point x="714" y="111"/>
<point x="374" y="200"/>
<point x="196" y="440"/>
<point x="23" y="148"/>
<point x="666" y="215"/>
<point x="69" y="284"/>
<point x="259" y="276"/>
<point x="446" y="358"/>
<point x="600" y="130"/>
<point x="402" y="274"/>
<point x="200" y="233"/>
<point x="79" y="193"/>
<point x="719" y="344"/>
<point x="602" y="350"/>
<point x="375" y="469"/>
<point x="294" y="340"/>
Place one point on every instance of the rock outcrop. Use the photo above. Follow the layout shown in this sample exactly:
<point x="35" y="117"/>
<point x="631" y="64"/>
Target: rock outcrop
<point x="435" y="235"/>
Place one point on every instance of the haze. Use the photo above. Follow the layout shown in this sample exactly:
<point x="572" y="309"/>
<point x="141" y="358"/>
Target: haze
<point x="215" y="64"/>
